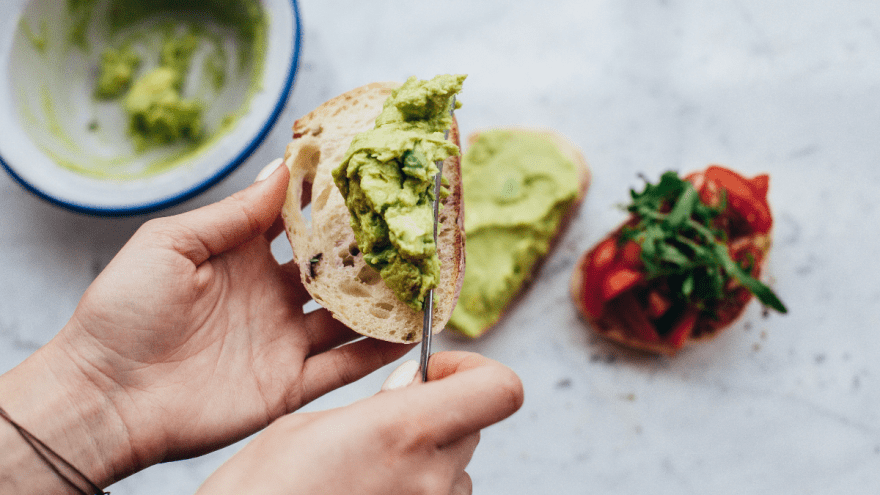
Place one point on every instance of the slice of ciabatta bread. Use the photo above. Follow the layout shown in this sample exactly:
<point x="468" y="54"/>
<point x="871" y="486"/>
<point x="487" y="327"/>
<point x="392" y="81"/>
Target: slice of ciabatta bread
<point x="324" y="247"/>
<point x="584" y="177"/>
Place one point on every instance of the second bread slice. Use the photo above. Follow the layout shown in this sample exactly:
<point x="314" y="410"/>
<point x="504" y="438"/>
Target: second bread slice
<point x="518" y="204"/>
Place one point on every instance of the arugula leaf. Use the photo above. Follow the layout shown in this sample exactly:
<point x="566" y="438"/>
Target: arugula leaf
<point x="687" y="287"/>
<point x="761" y="291"/>
<point x="684" y="207"/>
<point x="679" y="242"/>
<point x="674" y="255"/>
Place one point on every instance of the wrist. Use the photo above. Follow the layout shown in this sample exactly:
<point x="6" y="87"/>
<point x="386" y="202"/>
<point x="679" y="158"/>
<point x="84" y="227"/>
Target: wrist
<point x="22" y="471"/>
<point x="55" y="401"/>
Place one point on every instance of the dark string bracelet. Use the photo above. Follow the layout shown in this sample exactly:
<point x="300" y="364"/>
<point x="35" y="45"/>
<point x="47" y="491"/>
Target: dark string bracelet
<point x="52" y="460"/>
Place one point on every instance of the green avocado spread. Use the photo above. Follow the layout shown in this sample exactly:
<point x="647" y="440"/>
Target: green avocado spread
<point x="517" y="187"/>
<point x="387" y="180"/>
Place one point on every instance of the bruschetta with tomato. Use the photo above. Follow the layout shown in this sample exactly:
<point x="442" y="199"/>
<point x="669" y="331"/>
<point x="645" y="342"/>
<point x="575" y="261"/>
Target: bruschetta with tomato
<point x="684" y="265"/>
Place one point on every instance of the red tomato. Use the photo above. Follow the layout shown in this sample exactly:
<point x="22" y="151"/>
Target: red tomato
<point x="748" y="199"/>
<point x="683" y="329"/>
<point x="604" y="255"/>
<point x="597" y="264"/>
<point x="761" y="183"/>
<point x="637" y="322"/>
<point x="618" y="281"/>
<point x="657" y="304"/>
<point x="631" y="255"/>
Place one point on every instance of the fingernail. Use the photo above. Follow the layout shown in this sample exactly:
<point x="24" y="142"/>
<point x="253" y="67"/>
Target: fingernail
<point x="268" y="169"/>
<point x="404" y="375"/>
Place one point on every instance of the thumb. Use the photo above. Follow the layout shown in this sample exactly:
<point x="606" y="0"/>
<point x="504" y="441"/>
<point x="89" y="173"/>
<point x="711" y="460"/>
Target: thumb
<point x="465" y="393"/>
<point x="219" y="227"/>
<point x="406" y="374"/>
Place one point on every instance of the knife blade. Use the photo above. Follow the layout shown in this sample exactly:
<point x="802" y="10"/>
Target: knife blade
<point x="427" y="323"/>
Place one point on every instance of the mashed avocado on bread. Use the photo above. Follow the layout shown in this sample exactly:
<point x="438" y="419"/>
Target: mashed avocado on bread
<point x="518" y="187"/>
<point x="387" y="180"/>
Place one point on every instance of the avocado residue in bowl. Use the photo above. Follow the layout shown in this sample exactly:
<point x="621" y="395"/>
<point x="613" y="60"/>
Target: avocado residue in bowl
<point x="387" y="180"/>
<point x="158" y="113"/>
<point x="158" y="81"/>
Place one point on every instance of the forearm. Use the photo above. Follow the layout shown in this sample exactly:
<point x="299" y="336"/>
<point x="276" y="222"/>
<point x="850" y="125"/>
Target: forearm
<point x="53" y="401"/>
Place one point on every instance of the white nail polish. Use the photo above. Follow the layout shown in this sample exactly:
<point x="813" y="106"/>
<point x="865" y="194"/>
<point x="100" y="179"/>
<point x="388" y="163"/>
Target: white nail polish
<point x="268" y="169"/>
<point x="404" y="375"/>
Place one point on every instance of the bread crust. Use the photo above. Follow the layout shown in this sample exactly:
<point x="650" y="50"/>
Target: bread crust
<point x="573" y="153"/>
<point x="324" y="247"/>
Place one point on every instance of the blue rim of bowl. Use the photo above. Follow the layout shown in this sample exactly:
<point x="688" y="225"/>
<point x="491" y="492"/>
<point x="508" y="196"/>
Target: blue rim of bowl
<point x="207" y="183"/>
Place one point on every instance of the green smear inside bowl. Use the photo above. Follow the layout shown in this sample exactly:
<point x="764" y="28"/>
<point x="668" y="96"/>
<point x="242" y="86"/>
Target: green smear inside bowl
<point x="123" y="90"/>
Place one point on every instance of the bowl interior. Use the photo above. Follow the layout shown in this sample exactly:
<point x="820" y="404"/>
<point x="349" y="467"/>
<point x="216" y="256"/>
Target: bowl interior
<point x="76" y="150"/>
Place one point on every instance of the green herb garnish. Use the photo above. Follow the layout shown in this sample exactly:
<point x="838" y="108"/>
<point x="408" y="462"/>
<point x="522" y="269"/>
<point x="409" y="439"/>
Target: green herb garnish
<point x="680" y="242"/>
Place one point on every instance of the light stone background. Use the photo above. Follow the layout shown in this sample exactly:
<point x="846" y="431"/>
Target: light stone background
<point x="777" y="404"/>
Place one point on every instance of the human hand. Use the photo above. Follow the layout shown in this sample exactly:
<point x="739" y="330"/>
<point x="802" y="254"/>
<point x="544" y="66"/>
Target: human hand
<point x="194" y="336"/>
<point x="412" y="440"/>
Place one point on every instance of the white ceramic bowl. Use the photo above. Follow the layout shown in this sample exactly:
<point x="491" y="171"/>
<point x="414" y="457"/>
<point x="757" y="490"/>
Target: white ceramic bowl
<point x="48" y="116"/>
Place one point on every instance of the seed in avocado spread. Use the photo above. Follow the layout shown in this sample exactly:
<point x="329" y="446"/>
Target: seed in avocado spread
<point x="517" y="186"/>
<point x="387" y="180"/>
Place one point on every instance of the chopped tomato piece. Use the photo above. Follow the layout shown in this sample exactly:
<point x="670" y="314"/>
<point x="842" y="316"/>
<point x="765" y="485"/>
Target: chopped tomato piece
<point x="635" y="319"/>
<point x="748" y="255"/>
<point x="619" y="281"/>
<point x="593" y="272"/>
<point x="743" y="197"/>
<point x="730" y="180"/>
<point x="683" y="329"/>
<point x="658" y="304"/>
<point x="604" y="254"/>
<point x="761" y="184"/>
<point x="631" y="255"/>
<point x="597" y="263"/>
<point x="591" y="297"/>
